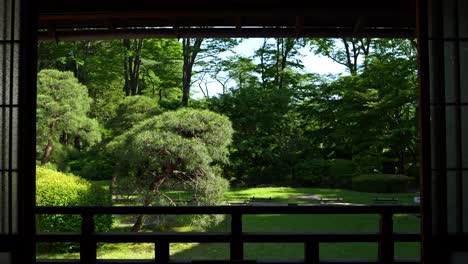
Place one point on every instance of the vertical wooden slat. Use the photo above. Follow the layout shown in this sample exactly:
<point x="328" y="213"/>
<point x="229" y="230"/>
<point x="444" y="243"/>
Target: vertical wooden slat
<point x="3" y="121"/>
<point x="26" y="100"/>
<point x="162" y="252"/>
<point x="87" y="244"/>
<point x="458" y="116"/>
<point x="386" y="245"/>
<point x="312" y="252"/>
<point x="13" y="64"/>
<point x="237" y="247"/>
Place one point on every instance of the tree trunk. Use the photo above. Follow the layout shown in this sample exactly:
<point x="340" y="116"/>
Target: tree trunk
<point x="139" y="221"/>
<point x="190" y="53"/>
<point x="153" y="188"/>
<point x="349" y="63"/>
<point x="50" y="143"/>
<point x="286" y="47"/>
<point x="64" y="138"/>
<point x="262" y="63"/>
<point x="186" y="81"/>
<point x="77" y="142"/>
<point x="132" y="65"/>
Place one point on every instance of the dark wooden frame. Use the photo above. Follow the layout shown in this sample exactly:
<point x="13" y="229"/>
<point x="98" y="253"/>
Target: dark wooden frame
<point x="293" y="27"/>
<point x="424" y="131"/>
<point x="26" y="253"/>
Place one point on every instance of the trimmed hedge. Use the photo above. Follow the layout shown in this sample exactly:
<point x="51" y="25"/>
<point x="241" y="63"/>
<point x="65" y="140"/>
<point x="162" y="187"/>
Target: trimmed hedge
<point x="381" y="183"/>
<point x="55" y="188"/>
<point x="311" y="172"/>
<point x="340" y="173"/>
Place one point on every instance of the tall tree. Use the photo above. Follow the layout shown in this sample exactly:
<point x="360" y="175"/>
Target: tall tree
<point x="132" y="65"/>
<point x="198" y="57"/>
<point x="191" y="48"/>
<point x="63" y="105"/>
<point x="349" y="52"/>
<point x="96" y="64"/>
<point x="161" y="69"/>
<point x="276" y="57"/>
<point x="370" y="116"/>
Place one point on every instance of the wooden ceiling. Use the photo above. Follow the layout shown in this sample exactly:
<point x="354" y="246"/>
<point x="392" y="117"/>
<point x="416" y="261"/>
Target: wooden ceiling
<point x="104" y="19"/>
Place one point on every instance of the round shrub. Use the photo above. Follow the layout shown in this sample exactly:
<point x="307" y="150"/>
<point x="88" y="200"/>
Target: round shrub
<point x="340" y="173"/>
<point x="311" y="172"/>
<point x="55" y="188"/>
<point x="381" y="183"/>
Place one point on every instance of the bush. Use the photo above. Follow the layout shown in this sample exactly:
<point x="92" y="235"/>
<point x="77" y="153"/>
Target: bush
<point x="413" y="173"/>
<point x="55" y="188"/>
<point x="341" y="172"/>
<point x="311" y="172"/>
<point x="368" y="162"/>
<point x="93" y="166"/>
<point x="381" y="183"/>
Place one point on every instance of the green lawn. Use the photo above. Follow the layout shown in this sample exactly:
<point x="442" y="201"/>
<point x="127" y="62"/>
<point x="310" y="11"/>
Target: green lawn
<point x="279" y="223"/>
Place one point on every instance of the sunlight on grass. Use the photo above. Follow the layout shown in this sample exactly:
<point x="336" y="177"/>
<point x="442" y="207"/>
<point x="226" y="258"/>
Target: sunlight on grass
<point x="287" y="195"/>
<point x="126" y="251"/>
<point x="218" y="251"/>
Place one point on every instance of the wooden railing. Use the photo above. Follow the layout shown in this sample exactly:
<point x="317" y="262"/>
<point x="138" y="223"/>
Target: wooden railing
<point x="88" y="238"/>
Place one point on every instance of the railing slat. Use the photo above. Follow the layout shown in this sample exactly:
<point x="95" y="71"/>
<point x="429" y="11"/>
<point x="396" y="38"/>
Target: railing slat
<point x="87" y="243"/>
<point x="311" y="252"/>
<point x="237" y="246"/>
<point x="386" y="245"/>
<point x="162" y="252"/>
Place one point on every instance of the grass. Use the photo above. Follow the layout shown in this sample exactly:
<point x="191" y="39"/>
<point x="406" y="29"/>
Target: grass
<point x="279" y="223"/>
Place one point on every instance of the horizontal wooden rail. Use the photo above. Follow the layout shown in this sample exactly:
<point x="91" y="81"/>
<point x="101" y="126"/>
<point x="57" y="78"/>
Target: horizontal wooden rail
<point x="249" y="209"/>
<point x="149" y="261"/>
<point x="88" y="238"/>
<point x="247" y="237"/>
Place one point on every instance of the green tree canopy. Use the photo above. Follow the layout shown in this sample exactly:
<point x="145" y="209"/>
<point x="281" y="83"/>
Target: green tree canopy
<point x="131" y="110"/>
<point x="63" y="105"/>
<point x="178" y="146"/>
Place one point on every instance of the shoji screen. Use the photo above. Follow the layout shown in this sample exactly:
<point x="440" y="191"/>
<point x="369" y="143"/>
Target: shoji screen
<point x="446" y="35"/>
<point x="9" y="81"/>
<point x="17" y="126"/>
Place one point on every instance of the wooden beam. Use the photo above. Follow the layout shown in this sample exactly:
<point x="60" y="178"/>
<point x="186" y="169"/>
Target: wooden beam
<point x="223" y="33"/>
<point x="234" y="7"/>
<point x="359" y="24"/>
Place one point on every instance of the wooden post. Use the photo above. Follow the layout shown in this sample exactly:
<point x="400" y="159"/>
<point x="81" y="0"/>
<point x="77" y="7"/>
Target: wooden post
<point x="237" y="246"/>
<point x="386" y="247"/>
<point x="311" y="252"/>
<point x="162" y="252"/>
<point x="87" y="244"/>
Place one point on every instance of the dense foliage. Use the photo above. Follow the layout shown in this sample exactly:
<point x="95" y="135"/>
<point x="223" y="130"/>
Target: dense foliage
<point x="62" y="113"/>
<point x="180" y="147"/>
<point x="291" y="127"/>
<point x="54" y="188"/>
<point x="126" y="111"/>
